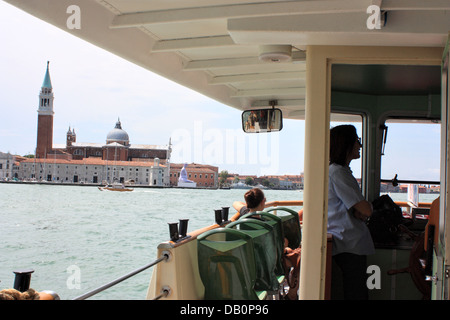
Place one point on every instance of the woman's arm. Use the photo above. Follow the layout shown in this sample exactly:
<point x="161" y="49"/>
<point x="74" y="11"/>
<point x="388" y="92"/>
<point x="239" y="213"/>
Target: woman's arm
<point x="238" y="205"/>
<point x="362" y="210"/>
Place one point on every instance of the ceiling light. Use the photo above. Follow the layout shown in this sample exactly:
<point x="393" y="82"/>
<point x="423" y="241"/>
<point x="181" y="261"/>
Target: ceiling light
<point x="275" y="53"/>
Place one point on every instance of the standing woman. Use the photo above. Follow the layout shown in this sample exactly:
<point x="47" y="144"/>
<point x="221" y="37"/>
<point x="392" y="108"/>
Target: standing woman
<point x="347" y="213"/>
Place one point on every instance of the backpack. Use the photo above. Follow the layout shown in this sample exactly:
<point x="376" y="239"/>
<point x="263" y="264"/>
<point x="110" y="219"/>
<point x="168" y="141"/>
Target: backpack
<point x="385" y="221"/>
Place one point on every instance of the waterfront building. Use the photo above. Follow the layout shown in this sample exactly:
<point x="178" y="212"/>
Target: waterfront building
<point x="78" y="162"/>
<point x="7" y="165"/>
<point x="297" y="180"/>
<point x="117" y="147"/>
<point x="94" y="171"/>
<point x="205" y="176"/>
<point x="271" y="181"/>
<point x="286" y="184"/>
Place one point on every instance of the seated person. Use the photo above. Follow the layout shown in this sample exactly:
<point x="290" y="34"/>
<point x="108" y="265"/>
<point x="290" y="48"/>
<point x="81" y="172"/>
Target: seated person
<point x="254" y="201"/>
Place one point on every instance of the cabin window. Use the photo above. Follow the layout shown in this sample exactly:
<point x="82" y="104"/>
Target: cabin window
<point x="412" y="152"/>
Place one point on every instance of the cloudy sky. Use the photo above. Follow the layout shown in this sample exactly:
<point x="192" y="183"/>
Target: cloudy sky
<point x="93" y="88"/>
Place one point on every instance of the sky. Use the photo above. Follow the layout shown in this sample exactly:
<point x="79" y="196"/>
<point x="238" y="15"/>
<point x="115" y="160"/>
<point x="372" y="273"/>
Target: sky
<point x="93" y="88"/>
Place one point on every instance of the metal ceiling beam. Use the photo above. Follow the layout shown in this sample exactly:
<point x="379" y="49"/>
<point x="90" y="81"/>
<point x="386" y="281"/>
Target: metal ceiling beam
<point x="297" y="57"/>
<point x="300" y="91"/>
<point x="405" y="22"/>
<point x="255" y="77"/>
<point x="416" y="5"/>
<point x="192" y="43"/>
<point x="405" y="28"/>
<point x="128" y="20"/>
<point x="136" y="19"/>
<point x="285" y="103"/>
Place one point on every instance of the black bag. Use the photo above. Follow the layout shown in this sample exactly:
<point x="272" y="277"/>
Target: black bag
<point x="385" y="220"/>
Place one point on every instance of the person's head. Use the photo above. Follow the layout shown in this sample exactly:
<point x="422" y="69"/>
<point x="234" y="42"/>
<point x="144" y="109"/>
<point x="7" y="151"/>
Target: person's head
<point x="255" y="199"/>
<point x="344" y="144"/>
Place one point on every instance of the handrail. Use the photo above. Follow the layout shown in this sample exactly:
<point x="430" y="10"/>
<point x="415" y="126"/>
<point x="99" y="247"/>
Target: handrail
<point x="410" y="181"/>
<point x="165" y="291"/>
<point x="165" y="256"/>
<point x="300" y="203"/>
<point x="406" y="204"/>
<point x="284" y="203"/>
<point x="403" y="204"/>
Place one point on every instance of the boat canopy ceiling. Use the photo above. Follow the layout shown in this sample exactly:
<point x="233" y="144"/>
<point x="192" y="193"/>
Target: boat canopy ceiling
<point x="244" y="54"/>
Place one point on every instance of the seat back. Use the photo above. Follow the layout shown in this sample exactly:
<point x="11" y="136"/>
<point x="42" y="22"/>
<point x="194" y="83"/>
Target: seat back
<point x="265" y="245"/>
<point x="291" y="226"/>
<point x="226" y="263"/>
<point x="433" y="220"/>
<point x="277" y="225"/>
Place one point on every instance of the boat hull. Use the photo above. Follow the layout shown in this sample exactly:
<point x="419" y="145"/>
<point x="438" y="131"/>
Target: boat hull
<point x="114" y="189"/>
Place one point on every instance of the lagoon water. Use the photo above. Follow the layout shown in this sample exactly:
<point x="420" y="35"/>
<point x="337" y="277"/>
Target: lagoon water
<point x="63" y="231"/>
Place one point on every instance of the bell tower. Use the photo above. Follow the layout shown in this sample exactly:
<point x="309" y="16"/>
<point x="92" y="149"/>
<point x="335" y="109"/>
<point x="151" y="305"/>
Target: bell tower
<point x="44" y="143"/>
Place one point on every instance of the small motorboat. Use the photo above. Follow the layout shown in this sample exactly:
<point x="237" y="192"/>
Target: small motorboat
<point x="115" y="187"/>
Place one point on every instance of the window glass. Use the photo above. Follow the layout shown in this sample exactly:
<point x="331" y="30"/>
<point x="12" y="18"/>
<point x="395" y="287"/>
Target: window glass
<point x="412" y="151"/>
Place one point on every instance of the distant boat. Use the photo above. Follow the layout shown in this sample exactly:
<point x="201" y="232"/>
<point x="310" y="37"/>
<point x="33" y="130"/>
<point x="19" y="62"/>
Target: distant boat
<point x="115" y="187"/>
<point x="240" y="185"/>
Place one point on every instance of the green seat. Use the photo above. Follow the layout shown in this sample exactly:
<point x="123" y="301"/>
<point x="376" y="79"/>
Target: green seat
<point x="277" y="225"/>
<point x="291" y="226"/>
<point x="265" y="246"/>
<point x="226" y="261"/>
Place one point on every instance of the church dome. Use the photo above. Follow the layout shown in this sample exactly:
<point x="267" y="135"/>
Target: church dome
<point x="118" y="135"/>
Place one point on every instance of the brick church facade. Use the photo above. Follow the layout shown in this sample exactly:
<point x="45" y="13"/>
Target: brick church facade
<point x="115" y="160"/>
<point x="116" y="148"/>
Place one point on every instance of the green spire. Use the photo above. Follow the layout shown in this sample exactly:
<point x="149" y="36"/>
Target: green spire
<point x="47" y="82"/>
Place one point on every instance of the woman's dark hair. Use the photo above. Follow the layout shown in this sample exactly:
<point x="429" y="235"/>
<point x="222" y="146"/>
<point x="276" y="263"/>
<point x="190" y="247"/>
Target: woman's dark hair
<point x="254" y="197"/>
<point x="342" y="140"/>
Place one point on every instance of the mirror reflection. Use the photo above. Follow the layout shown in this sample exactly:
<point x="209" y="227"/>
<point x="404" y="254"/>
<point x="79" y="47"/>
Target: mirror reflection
<point x="262" y="120"/>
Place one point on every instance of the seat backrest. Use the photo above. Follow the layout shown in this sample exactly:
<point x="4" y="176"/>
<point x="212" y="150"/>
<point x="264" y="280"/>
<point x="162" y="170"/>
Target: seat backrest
<point x="226" y="263"/>
<point x="291" y="226"/>
<point x="265" y="245"/>
<point x="277" y="225"/>
<point x="433" y="220"/>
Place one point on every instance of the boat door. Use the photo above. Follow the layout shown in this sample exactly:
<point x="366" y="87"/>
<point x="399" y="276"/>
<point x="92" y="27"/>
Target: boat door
<point x="440" y="279"/>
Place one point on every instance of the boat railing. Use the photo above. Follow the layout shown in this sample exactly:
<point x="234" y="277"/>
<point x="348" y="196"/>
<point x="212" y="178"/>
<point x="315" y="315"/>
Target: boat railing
<point x="23" y="278"/>
<point x="164" y="292"/>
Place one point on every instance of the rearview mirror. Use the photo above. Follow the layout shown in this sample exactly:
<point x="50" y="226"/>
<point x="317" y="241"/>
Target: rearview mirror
<point x="262" y="120"/>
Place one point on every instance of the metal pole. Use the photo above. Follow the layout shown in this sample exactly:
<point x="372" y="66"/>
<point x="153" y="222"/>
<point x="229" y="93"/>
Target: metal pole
<point x="112" y="283"/>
